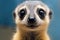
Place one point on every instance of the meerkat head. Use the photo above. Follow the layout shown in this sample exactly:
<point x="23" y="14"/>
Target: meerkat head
<point x="32" y="16"/>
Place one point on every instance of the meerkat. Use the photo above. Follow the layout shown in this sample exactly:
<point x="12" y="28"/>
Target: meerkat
<point x="32" y="19"/>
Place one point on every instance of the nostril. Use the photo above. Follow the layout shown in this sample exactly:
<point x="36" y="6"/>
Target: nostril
<point x="31" y="20"/>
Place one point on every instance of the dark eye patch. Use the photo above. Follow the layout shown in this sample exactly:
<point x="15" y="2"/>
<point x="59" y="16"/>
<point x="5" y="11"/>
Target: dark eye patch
<point x="41" y="13"/>
<point x="22" y="13"/>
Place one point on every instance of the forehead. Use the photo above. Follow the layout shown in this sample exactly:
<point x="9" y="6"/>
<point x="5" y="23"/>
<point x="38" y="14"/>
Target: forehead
<point x="32" y="4"/>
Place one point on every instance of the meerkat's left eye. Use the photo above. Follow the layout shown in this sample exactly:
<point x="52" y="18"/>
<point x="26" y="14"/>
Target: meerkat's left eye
<point x="22" y="13"/>
<point x="41" y="13"/>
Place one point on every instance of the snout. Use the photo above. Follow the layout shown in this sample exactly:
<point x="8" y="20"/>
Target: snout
<point x="31" y="22"/>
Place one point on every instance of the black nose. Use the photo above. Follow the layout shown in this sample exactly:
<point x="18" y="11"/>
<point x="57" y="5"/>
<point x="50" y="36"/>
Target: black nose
<point x="31" y="20"/>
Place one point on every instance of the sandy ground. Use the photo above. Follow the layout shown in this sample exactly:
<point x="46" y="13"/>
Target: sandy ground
<point x="6" y="33"/>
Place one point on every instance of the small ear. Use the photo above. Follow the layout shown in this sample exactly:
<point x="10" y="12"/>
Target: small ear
<point x="50" y="14"/>
<point x="14" y="15"/>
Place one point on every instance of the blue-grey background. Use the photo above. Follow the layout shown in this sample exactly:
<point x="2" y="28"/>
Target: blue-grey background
<point x="6" y="18"/>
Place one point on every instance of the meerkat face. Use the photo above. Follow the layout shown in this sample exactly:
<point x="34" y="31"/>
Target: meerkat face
<point x="32" y="15"/>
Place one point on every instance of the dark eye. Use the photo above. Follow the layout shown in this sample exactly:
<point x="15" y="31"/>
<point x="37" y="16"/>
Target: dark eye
<point x="41" y="13"/>
<point x="22" y="13"/>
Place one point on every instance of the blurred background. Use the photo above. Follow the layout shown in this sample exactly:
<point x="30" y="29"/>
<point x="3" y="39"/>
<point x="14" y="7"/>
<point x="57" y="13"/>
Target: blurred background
<point x="7" y="25"/>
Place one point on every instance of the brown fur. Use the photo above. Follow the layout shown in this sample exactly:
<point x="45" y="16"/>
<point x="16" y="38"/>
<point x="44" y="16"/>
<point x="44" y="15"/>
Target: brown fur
<point x="22" y="34"/>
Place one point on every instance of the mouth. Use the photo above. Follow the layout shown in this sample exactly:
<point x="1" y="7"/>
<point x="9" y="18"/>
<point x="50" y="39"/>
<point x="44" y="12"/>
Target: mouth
<point x="32" y="26"/>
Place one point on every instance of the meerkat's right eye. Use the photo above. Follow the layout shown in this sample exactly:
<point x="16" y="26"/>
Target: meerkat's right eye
<point x="22" y="13"/>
